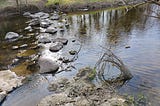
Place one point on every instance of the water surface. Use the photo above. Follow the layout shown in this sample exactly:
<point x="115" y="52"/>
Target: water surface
<point x="132" y="36"/>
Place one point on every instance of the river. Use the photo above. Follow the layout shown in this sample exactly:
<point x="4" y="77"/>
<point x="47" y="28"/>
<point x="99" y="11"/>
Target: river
<point x="133" y="36"/>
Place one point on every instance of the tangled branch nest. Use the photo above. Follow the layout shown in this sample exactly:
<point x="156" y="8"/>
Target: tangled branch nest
<point x="109" y="58"/>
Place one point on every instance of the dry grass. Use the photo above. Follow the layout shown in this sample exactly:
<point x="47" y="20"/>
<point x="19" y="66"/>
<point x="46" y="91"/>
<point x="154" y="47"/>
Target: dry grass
<point x="8" y="3"/>
<point x="63" y="2"/>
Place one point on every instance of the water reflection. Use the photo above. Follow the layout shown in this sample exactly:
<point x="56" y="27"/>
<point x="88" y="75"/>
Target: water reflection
<point x="116" y="29"/>
<point x="9" y="56"/>
<point x="111" y="29"/>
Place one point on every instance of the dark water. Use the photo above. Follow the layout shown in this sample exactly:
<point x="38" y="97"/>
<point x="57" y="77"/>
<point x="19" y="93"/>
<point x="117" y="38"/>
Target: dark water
<point x="7" y="53"/>
<point x="113" y="29"/>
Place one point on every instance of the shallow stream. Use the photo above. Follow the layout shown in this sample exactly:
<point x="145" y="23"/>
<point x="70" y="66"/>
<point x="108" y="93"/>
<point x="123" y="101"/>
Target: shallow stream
<point x="132" y="36"/>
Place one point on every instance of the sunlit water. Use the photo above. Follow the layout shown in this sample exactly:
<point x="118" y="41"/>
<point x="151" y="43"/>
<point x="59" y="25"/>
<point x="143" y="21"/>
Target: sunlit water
<point x="117" y="30"/>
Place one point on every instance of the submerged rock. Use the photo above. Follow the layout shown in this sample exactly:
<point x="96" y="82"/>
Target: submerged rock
<point x="11" y="35"/>
<point x="72" y="52"/>
<point x="55" y="47"/>
<point x="127" y="46"/>
<point x="30" y="93"/>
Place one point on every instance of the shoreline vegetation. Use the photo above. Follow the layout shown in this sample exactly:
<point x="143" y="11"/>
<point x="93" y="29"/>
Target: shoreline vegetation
<point x="10" y="7"/>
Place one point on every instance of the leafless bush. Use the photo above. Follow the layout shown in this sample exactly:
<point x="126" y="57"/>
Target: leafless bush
<point x="109" y="58"/>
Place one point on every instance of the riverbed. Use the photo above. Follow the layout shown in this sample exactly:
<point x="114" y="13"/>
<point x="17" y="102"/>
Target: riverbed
<point x="132" y="36"/>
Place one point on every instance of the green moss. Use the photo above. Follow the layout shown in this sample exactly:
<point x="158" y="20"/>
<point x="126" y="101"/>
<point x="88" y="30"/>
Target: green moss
<point x="92" y="74"/>
<point x="137" y="100"/>
<point x="26" y="53"/>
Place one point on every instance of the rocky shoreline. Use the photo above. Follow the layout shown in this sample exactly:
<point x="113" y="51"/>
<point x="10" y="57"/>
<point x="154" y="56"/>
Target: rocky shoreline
<point x="76" y="7"/>
<point x="55" y="57"/>
<point x="80" y="91"/>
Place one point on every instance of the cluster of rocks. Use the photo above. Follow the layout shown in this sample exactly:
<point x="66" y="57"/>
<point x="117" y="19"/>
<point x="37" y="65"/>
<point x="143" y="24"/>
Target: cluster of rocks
<point x="8" y="81"/>
<point x="45" y="28"/>
<point x="51" y="27"/>
<point x="49" y="23"/>
<point x="80" y="91"/>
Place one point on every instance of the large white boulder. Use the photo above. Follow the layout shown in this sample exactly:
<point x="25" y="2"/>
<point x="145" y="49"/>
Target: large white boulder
<point x="9" y="80"/>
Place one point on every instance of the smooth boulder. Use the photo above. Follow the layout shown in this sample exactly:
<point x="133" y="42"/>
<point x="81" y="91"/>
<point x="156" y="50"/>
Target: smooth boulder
<point x="64" y="41"/>
<point x="47" y="65"/>
<point x="27" y="14"/>
<point x="11" y="35"/>
<point x="51" y="30"/>
<point x="44" y="40"/>
<point x="9" y="80"/>
<point x="55" y="47"/>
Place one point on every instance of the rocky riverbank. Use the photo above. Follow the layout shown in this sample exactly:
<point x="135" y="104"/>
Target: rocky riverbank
<point x="57" y="53"/>
<point x="81" y="91"/>
<point x="73" y="7"/>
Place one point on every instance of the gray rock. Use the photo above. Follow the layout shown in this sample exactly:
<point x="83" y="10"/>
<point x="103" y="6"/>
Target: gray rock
<point x="11" y="35"/>
<point x="41" y="35"/>
<point x="72" y="52"/>
<point x="58" y="84"/>
<point x="34" y="22"/>
<point x="44" y="40"/>
<point x="127" y="46"/>
<point x="44" y="23"/>
<point x="61" y="29"/>
<point x="51" y="30"/>
<point x="9" y="80"/>
<point x="47" y="65"/>
<point x="27" y="14"/>
<point x="15" y="61"/>
<point x="2" y="96"/>
<point x="62" y="40"/>
<point x="15" y="47"/>
<point x="55" y="100"/>
<point x="41" y="15"/>
<point x="55" y="17"/>
<point x="81" y="92"/>
<point x="56" y="47"/>
<point x="29" y="28"/>
<point x="24" y="46"/>
<point x="67" y="25"/>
